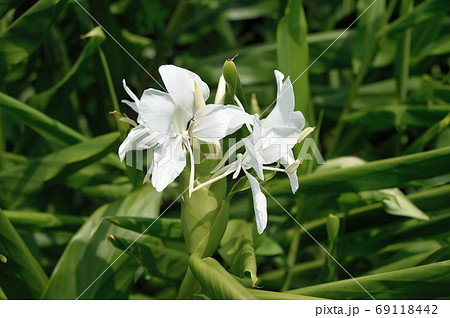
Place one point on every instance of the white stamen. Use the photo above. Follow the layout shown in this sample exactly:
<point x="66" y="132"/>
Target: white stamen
<point x="192" y="174"/>
<point x="228" y="154"/>
<point x="274" y="169"/>
<point x="212" y="180"/>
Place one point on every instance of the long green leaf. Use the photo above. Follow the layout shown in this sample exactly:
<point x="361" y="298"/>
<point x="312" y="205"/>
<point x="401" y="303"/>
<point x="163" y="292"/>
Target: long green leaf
<point x="270" y="295"/>
<point x="6" y="5"/>
<point x="62" y="88"/>
<point x="83" y="260"/>
<point x="391" y="116"/>
<point x="37" y="221"/>
<point x="367" y="27"/>
<point x="30" y="177"/>
<point x="380" y="174"/>
<point x="428" y="281"/>
<point x="24" y="36"/>
<point x="293" y="55"/>
<point x="215" y="281"/>
<point x="164" y="228"/>
<point x="43" y="124"/>
<point x="21" y="277"/>
<point x="160" y="261"/>
<point x="425" y="11"/>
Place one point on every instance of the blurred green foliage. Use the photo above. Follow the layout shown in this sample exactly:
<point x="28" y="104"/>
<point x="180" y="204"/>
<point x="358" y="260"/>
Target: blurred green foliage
<point x="380" y="92"/>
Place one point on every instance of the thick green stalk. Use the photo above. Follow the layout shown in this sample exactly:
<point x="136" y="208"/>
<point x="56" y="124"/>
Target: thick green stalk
<point x="204" y="218"/>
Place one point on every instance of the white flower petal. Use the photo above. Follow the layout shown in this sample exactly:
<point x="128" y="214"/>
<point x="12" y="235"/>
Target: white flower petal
<point x="277" y="142"/>
<point x="180" y="85"/>
<point x="139" y="138"/>
<point x="157" y="109"/>
<point x="259" y="203"/>
<point x="134" y="104"/>
<point x="214" y="122"/>
<point x="293" y="179"/>
<point x="169" y="160"/>
<point x="283" y="112"/>
<point x="130" y="92"/>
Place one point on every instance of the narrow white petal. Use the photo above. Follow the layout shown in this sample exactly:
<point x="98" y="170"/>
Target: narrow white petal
<point x="130" y="92"/>
<point x="169" y="160"/>
<point x="293" y="179"/>
<point x="259" y="203"/>
<point x="283" y="112"/>
<point x="139" y="138"/>
<point x="214" y="122"/>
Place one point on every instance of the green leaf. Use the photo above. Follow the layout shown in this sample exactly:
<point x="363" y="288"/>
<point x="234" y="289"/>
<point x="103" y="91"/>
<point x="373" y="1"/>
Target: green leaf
<point x="419" y="144"/>
<point x="367" y="27"/>
<point x="165" y="228"/>
<point x="31" y="221"/>
<point x="25" y="35"/>
<point x="215" y="281"/>
<point x="391" y="116"/>
<point x="28" y="178"/>
<point x="160" y="261"/>
<point x="6" y="5"/>
<point x="380" y="174"/>
<point x="21" y="276"/>
<point x="83" y="260"/>
<point x="293" y="55"/>
<point x="398" y="204"/>
<point x="437" y="227"/>
<point x="65" y="85"/>
<point x="428" y="282"/>
<point x="270" y="295"/>
<point x="441" y="253"/>
<point x="268" y="247"/>
<point x="237" y="249"/>
<point x="2" y="295"/>
<point x="425" y="11"/>
<point x="44" y="125"/>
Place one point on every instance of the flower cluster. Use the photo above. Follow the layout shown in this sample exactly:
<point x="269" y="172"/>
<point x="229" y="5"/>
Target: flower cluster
<point x="169" y="122"/>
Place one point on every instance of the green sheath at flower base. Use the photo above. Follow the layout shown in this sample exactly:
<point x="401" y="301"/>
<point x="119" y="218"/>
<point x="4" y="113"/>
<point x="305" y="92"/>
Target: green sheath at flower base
<point x="204" y="218"/>
<point x="204" y="215"/>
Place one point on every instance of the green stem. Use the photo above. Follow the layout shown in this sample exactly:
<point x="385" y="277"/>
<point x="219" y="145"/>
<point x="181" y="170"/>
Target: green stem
<point x="401" y="67"/>
<point x="291" y="258"/>
<point x="367" y="62"/>
<point x="109" y="80"/>
<point x="176" y="19"/>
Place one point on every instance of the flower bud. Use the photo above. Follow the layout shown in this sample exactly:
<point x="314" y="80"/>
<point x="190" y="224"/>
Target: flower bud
<point x="221" y="91"/>
<point x="198" y="96"/>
